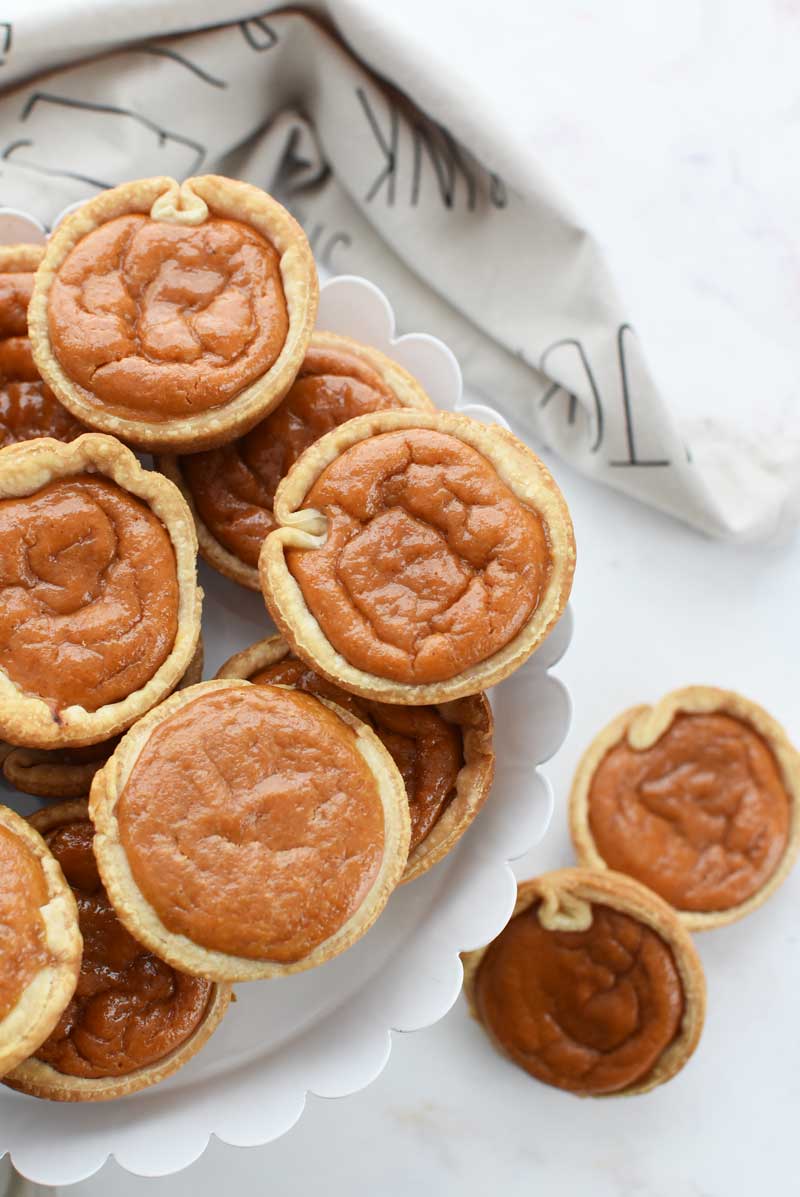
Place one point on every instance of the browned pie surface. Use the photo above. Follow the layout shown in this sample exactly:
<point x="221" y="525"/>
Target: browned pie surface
<point x="89" y="592"/>
<point x="589" y="1011"/>
<point x="28" y="408"/>
<point x="431" y="564"/>
<point x="251" y="822"/>
<point x="234" y="487"/>
<point x="160" y="321"/>
<point x="130" y="1009"/>
<point x="702" y="817"/>
<point x="23" y="891"/>
<point x="427" y="749"/>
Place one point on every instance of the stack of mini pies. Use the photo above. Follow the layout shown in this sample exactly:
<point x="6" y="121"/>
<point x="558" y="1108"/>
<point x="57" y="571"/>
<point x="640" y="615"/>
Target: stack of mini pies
<point x="254" y="825"/>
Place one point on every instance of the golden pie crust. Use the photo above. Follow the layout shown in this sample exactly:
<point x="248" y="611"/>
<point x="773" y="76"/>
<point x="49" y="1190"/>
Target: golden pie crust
<point x="472" y="715"/>
<point x="188" y="203"/>
<point x="25" y="468"/>
<point x="408" y="392"/>
<point x="53" y="774"/>
<point x="521" y="471"/>
<point x="38" y="1079"/>
<point x="42" y="1001"/>
<point x="566" y="896"/>
<point x="142" y="920"/>
<point x="643" y="726"/>
<point x="23" y="258"/>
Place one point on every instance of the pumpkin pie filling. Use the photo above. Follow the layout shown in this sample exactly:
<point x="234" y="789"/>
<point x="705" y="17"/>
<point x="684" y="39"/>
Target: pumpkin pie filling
<point x="28" y="407"/>
<point x="89" y="592"/>
<point x="430" y="565"/>
<point x="702" y="817"/>
<point x="251" y="823"/>
<point x="156" y="320"/>
<point x="23" y="947"/>
<point x="427" y="749"/>
<point x="130" y="1009"/>
<point x="589" y="1011"/>
<point x="234" y="487"/>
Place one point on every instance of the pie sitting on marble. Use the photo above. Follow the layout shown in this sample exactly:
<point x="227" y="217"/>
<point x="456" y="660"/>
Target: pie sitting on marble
<point x="249" y="831"/>
<point x="697" y="797"/>
<point x="594" y="986"/>
<point x="100" y="610"/>
<point x="68" y="772"/>
<point x="444" y="753"/>
<point x="40" y="947"/>
<point x="28" y="407"/>
<point x="419" y="557"/>
<point x="231" y="490"/>
<point x="174" y="316"/>
<point x="133" y="1020"/>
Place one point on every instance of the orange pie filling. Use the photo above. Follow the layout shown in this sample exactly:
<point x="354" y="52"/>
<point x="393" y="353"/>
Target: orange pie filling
<point x="89" y="593"/>
<point x="158" y="321"/>
<point x="252" y="824"/>
<point x="23" y="945"/>
<point x="130" y="1009"/>
<point x="427" y="749"/>
<point x="701" y="817"/>
<point x="234" y="487"/>
<point x="28" y="408"/>
<point x="589" y="1011"/>
<point x="431" y="564"/>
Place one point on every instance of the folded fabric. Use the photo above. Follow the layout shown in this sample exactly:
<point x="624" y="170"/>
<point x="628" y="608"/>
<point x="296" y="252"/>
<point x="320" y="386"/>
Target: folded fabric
<point x="469" y="242"/>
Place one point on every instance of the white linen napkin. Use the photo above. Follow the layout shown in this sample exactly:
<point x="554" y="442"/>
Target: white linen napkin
<point x="418" y="185"/>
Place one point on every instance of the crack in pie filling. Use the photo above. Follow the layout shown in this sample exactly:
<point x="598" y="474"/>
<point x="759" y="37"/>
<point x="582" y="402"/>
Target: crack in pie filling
<point x="132" y="1019"/>
<point x="100" y="610"/>
<point x="444" y="754"/>
<point x="593" y="986"/>
<point x="248" y="831"/>
<point x="418" y="557"/>
<point x="174" y="315"/>
<point x="232" y="489"/>
<point x="696" y="798"/>
<point x="89" y="592"/>
<point x="40" y="947"/>
<point x="28" y="407"/>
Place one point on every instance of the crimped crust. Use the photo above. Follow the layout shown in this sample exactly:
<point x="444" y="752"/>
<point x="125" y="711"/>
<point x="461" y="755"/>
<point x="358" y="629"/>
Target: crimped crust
<point x="187" y="203"/>
<point x="43" y="1000"/>
<point x="473" y="715"/>
<point x="519" y="468"/>
<point x="40" y="772"/>
<point x="38" y="1079"/>
<point x="27" y="467"/>
<point x="566" y="896"/>
<point x="643" y="726"/>
<point x="143" y="921"/>
<point x="409" y="394"/>
<point x="20" y="259"/>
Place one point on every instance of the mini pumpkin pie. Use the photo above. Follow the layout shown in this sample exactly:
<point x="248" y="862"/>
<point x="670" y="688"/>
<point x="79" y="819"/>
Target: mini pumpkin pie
<point x="249" y="831"/>
<point x="68" y="772"/>
<point x="444" y="753"/>
<point x="419" y="557"/>
<point x="40" y="945"/>
<point x="231" y="490"/>
<point x="696" y="797"/>
<point x="174" y="316"/>
<point x="594" y="986"/>
<point x="99" y="604"/>
<point x="28" y="407"/>
<point x="133" y="1020"/>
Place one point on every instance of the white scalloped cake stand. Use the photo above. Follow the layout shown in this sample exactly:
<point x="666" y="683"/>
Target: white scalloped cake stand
<point x="327" y="1031"/>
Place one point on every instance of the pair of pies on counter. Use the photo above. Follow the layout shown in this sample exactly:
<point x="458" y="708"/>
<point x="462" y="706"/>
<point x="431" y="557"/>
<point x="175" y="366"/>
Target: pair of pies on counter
<point x="255" y="825"/>
<point x="685" y="816"/>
